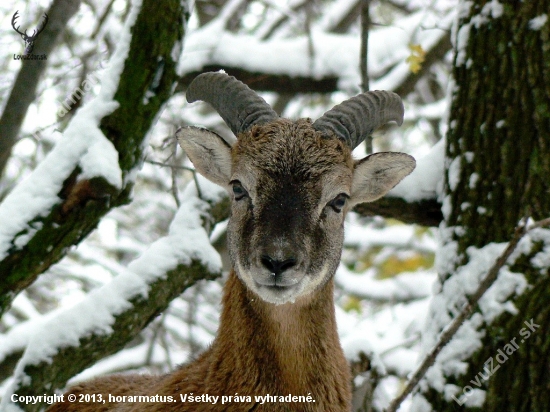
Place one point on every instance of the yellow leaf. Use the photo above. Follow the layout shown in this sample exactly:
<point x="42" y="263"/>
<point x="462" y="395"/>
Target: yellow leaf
<point x="394" y="265"/>
<point x="416" y="58"/>
<point x="417" y="49"/>
<point x="352" y="304"/>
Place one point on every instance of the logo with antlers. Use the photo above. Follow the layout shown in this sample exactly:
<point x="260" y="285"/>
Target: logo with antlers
<point x="29" y="40"/>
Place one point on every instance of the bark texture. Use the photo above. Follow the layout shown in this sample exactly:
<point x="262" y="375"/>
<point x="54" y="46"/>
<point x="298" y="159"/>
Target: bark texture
<point x="24" y="89"/>
<point x="83" y="203"/>
<point x="426" y="212"/>
<point x="498" y="155"/>
<point x="45" y="377"/>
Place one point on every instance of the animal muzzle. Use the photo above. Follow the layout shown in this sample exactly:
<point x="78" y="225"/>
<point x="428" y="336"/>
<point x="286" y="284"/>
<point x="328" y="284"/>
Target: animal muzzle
<point x="278" y="267"/>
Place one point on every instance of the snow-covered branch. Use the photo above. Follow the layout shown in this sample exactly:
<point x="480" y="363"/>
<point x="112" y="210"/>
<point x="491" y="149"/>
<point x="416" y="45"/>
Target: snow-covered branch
<point x="404" y="287"/>
<point x="93" y="167"/>
<point x="425" y="212"/>
<point x="505" y="258"/>
<point x="74" y="338"/>
<point x="333" y="66"/>
<point x="24" y="88"/>
<point x="414" y="199"/>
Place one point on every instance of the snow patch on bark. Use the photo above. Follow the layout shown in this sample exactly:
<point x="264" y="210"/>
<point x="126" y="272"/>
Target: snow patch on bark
<point x="83" y="144"/>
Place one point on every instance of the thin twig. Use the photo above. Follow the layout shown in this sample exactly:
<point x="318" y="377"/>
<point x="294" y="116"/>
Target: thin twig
<point x="169" y="165"/>
<point x="175" y="193"/>
<point x="198" y="186"/>
<point x="466" y="311"/>
<point x="407" y="343"/>
<point x="151" y="346"/>
<point x="310" y="45"/>
<point x="365" y="26"/>
<point x="284" y="15"/>
<point x="102" y="18"/>
<point x="362" y="399"/>
<point x="366" y="390"/>
<point x="363" y="65"/>
<point x="230" y="11"/>
<point x="165" y="345"/>
<point x="539" y="224"/>
<point x="192" y="302"/>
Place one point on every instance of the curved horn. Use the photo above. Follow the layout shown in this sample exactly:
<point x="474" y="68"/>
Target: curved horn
<point x="239" y="106"/>
<point x="356" y="118"/>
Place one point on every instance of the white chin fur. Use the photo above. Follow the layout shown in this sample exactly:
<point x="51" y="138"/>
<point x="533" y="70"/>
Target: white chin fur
<point x="279" y="296"/>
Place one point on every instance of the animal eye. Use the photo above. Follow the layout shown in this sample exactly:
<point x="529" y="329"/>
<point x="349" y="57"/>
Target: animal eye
<point x="338" y="203"/>
<point x="239" y="191"/>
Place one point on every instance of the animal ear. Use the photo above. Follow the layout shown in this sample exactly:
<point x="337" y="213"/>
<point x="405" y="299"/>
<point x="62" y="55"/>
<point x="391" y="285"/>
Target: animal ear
<point x="209" y="153"/>
<point x="377" y="174"/>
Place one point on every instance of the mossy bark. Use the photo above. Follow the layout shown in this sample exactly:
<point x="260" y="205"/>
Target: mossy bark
<point x="45" y="377"/>
<point x="147" y="82"/>
<point x="499" y="136"/>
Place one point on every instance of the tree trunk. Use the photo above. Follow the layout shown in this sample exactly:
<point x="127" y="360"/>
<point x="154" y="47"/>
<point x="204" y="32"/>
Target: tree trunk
<point x="498" y="159"/>
<point x="24" y="88"/>
<point x="145" y="85"/>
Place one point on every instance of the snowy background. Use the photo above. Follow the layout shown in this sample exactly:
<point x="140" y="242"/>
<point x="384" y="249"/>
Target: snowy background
<point x="384" y="283"/>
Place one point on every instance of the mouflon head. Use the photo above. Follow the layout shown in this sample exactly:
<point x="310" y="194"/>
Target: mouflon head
<point x="290" y="182"/>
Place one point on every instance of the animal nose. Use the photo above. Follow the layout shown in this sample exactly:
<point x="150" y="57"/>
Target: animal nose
<point x="275" y="266"/>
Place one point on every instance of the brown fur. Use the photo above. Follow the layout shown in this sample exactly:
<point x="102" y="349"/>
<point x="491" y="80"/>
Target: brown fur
<point x="261" y="348"/>
<point x="285" y="146"/>
<point x="284" y="179"/>
<point x="290" y="171"/>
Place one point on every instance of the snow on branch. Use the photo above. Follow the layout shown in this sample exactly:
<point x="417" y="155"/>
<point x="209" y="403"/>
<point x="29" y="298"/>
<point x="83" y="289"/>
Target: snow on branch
<point x="415" y="198"/>
<point x="83" y="145"/>
<point x="92" y="168"/>
<point x="426" y="180"/>
<point x="24" y="88"/>
<point x="481" y="276"/>
<point x="110" y="316"/>
<point x="335" y="55"/>
<point x="402" y="288"/>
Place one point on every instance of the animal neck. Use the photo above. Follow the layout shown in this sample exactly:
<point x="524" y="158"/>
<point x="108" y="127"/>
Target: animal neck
<point x="281" y="349"/>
